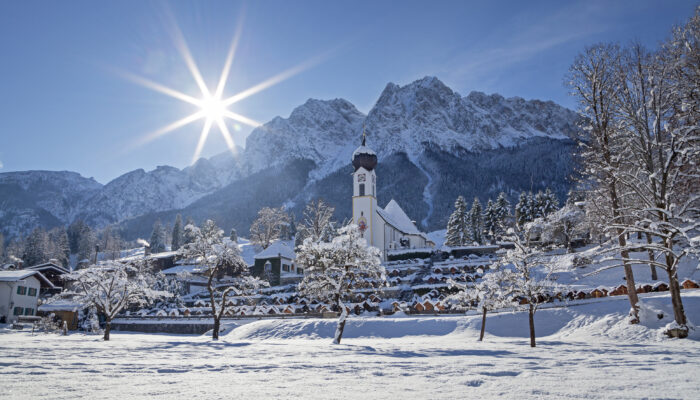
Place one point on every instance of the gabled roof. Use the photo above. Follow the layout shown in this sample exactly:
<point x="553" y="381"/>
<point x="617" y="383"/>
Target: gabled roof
<point x="276" y="249"/>
<point x="396" y="217"/>
<point x="15" y="276"/>
<point x="48" y="266"/>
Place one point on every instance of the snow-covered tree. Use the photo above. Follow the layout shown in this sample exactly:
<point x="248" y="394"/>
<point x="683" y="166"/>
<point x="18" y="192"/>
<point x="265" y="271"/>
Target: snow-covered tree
<point x="565" y="225"/>
<point x="222" y="264"/>
<point x="593" y="80"/>
<point x="492" y="292"/>
<point x="491" y="221"/>
<point x="178" y="234"/>
<point x="476" y="222"/>
<point x="268" y="226"/>
<point x="158" y="239"/>
<point x="318" y="216"/>
<point x="111" y="244"/>
<point x="550" y="202"/>
<point x="233" y="236"/>
<point x="502" y="211"/>
<point x="522" y="210"/>
<point x="334" y="271"/>
<point x="530" y="277"/>
<point x="457" y="227"/>
<point x="37" y="247"/>
<point x="111" y="288"/>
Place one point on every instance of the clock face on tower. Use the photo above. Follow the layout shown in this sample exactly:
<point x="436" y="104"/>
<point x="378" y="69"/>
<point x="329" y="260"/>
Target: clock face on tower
<point x="361" y="178"/>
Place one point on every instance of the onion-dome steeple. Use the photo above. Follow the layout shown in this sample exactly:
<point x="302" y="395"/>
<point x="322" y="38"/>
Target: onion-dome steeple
<point x="363" y="156"/>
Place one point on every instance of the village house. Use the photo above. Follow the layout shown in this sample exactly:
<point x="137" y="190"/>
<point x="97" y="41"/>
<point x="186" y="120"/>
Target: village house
<point x="19" y="293"/>
<point x="276" y="264"/>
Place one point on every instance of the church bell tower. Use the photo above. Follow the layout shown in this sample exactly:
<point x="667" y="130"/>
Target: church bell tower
<point x="364" y="193"/>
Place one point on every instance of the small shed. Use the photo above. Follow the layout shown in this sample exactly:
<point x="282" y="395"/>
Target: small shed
<point x="619" y="291"/>
<point x="64" y="310"/>
<point x="688" y="284"/>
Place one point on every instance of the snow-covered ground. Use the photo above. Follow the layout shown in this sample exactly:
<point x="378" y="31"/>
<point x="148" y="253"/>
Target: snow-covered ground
<point x="584" y="351"/>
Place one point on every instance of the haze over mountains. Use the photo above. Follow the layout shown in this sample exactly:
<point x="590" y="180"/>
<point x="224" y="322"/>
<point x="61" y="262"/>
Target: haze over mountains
<point x="433" y="145"/>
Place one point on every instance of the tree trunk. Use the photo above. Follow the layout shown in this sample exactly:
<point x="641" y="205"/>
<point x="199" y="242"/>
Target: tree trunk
<point x="215" y="331"/>
<point x="675" y="289"/>
<point x="341" y="323"/>
<point x="621" y="240"/>
<point x="483" y="325"/>
<point x="108" y="326"/>
<point x="651" y="259"/>
<point x="532" y="324"/>
<point x="629" y="277"/>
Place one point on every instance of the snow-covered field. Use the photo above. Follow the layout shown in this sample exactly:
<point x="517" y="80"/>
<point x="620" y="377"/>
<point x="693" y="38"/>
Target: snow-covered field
<point x="584" y="351"/>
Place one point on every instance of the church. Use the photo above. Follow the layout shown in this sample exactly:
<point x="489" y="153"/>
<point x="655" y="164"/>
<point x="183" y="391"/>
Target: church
<point x="389" y="228"/>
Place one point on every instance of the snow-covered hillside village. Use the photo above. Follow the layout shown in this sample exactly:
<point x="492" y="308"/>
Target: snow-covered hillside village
<point x="438" y="245"/>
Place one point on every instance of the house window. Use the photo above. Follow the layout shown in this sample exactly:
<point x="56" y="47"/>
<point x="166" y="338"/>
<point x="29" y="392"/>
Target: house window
<point x="362" y="189"/>
<point x="300" y="270"/>
<point x="21" y="290"/>
<point x="28" y="311"/>
<point x="285" y="267"/>
<point x="18" y="311"/>
<point x="32" y="291"/>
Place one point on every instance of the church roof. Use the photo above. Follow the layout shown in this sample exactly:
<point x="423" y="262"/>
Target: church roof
<point x="363" y="156"/>
<point x="396" y="217"/>
<point x="276" y="249"/>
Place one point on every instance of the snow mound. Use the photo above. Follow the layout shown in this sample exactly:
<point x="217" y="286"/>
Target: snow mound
<point x="606" y="319"/>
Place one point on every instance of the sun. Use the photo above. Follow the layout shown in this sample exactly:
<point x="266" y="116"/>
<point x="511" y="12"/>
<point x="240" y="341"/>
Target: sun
<point x="211" y="105"/>
<point x="213" y="108"/>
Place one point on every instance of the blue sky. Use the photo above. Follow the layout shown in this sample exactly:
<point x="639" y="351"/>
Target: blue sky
<point x="65" y="105"/>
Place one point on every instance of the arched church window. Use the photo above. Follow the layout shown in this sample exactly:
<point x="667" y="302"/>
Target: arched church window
<point x="362" y="189"/>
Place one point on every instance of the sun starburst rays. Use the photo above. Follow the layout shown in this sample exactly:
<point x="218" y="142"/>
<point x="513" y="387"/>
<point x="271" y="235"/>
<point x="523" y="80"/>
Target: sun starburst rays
<point x="212" y="105"/>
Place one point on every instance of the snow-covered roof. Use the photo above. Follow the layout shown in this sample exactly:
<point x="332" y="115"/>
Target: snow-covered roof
<point x="363" y="150"/>
<point x="47" y="266"/>
<point x="14" y="276"/>
<point x="60" y="305"/>
<point x="396" y="217"/>
<point x="276" y="249"/>
<point x="191" y="268"/>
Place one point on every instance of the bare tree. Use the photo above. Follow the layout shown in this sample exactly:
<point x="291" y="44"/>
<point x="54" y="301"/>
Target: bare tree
<point x="492" y="292"/>
<point x="225" y="269"/>
<point x="335" y="270"/>
<point x="268" y="226"/>
<point x="318" y="215"/>
<point x="530" y="278"/>
<point x="111" y="288"/>
<point x="592" y="78"/>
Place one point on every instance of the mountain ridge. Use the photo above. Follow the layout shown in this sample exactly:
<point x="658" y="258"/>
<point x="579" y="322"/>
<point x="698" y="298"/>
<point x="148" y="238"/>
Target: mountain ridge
<point x="405" y="120"/>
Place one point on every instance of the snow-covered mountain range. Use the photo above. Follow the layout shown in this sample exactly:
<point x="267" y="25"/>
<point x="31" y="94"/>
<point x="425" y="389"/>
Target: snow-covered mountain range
<point x="418" y="130"/>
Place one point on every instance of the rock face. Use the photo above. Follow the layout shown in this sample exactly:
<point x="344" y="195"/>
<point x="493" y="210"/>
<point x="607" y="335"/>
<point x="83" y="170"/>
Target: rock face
<point x="435" y="141"/>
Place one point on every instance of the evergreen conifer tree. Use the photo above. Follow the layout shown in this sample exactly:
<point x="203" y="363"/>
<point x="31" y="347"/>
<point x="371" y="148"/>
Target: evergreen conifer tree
<point x="456" y="234"/>
<point x="522" y="210"/>
<point x="490" y="220"/>
<point x="476" y="221"/>
<point x="178" y="234"/>
<point x="234" y="235"/>
<point x="157" y="238"/>
<point x="502" y="208"/>
<point x="539" y="206"/>
<point x="551" y="202"/>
